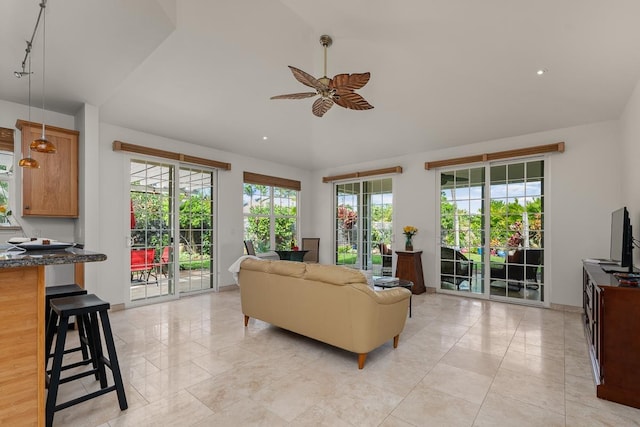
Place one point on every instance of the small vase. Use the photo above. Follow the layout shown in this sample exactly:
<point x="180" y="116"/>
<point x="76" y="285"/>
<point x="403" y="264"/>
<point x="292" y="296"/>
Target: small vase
<point x="408" y="244"/>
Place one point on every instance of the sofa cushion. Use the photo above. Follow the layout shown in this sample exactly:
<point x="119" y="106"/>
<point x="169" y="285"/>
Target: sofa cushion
<point x="334" y="274"/>
<point x="256" y="265"/>
<point x="288" y="268"/>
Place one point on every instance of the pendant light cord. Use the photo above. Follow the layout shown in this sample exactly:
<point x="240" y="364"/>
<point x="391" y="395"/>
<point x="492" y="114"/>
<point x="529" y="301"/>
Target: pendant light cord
<point x="44" y="38"/>
<point x="29" y="90"/>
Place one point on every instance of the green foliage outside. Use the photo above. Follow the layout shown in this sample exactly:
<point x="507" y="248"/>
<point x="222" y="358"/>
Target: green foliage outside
<point x="379" y="223"/>
<point x="381" y="215"/>
<point x="188" y="262"/>
<point x="506" y="224"/>
<point x="152" y="228"/>
<point x="258" y="225"/>
<point x="4" y="191"/>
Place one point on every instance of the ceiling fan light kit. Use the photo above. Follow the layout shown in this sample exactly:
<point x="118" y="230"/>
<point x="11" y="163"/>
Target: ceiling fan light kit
<point x="340" y="90"/>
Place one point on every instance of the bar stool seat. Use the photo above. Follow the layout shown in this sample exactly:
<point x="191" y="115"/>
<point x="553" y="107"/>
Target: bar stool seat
<point x="59" y="291"/>
<point x="92" y="313"/>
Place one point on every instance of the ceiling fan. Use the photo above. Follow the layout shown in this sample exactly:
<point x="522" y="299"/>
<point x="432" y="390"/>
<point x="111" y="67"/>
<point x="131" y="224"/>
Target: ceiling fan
<point x="339" y="90"/>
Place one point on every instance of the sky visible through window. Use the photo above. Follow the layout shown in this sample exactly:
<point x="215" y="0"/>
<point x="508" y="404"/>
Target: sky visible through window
<point x="523" y="193"/>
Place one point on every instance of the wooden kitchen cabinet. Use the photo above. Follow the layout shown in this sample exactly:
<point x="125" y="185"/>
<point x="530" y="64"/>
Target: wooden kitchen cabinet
<point x="52" y="189"/>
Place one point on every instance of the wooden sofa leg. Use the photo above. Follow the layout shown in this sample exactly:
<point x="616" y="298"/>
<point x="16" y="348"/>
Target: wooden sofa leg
<point x="361" y="358"/>
<point x="395" y="341"/>
<point x="246" y="320"/>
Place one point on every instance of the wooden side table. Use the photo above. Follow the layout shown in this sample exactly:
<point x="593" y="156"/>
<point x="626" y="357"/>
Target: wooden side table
<point x="409" y="267"/>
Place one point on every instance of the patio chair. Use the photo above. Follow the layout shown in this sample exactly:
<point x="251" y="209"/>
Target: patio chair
<point x="455" y="268"/>
<point x="521" y="269"/>
<point x="164" y="260"/>
<point x="311" y="244"/>
<point x="248" y="245"/>
<point x="143" y="264"/>
<point x="387" y="259"/>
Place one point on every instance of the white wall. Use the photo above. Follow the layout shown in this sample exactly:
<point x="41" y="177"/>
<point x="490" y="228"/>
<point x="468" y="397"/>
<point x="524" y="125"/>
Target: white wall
<point x="113" y="276"/>
<point x="628" y="162"/>
<point x="585" y="188"/>
<point x="587" y="184"/>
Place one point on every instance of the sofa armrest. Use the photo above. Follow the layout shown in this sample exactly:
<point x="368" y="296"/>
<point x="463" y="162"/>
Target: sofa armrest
<point x="390" y="295"/>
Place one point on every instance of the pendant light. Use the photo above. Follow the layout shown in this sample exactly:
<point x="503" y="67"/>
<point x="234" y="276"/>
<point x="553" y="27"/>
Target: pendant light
<point x="42" y="144"/>
<point x="29" y="162"/>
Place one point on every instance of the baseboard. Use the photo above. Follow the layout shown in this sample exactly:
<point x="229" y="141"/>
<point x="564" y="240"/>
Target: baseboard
<point x="117" y="307"/>
<point x="567" y="308"/>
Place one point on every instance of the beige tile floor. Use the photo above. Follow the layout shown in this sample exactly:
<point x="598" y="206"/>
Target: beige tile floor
<point x="460" y="362"/>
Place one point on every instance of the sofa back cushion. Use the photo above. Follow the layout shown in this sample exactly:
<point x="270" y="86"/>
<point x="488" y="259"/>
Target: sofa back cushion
<point x="333" y="274"/>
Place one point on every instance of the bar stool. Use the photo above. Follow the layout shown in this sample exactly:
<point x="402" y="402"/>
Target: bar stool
<point x="60" y="291"/>
<point x="87" y="309"/>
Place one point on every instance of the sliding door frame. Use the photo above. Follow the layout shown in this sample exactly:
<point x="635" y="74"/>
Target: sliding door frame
<point x="486" y="253"/>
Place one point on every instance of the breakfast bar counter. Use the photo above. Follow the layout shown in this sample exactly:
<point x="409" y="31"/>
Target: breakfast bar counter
<point x="22" y="316"/>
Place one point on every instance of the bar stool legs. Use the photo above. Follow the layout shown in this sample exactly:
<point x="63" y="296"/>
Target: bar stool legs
<point x="91" y="312"/>
<point x="60" y="291"/>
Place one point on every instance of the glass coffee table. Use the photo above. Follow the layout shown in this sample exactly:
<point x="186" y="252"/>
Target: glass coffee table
<point x="393" y="282"/>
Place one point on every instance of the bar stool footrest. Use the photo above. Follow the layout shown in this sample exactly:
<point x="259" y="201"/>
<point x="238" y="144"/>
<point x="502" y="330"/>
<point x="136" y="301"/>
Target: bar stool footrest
<point x="78" y="376"/>
<point x="86" y="397"/>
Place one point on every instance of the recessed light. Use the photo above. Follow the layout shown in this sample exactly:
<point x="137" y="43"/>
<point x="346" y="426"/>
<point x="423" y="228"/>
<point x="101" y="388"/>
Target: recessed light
<point x="264" y="138"/>
<point x="542" y="71"/>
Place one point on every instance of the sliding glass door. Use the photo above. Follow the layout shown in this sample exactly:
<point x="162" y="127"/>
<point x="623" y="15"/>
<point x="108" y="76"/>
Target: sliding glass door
<point x="363" y="225"/>
<point x="462" y="229"/>
<point x="153" y="230"/>
<point x="492" y="231"/>
<point x="172" y="234"/>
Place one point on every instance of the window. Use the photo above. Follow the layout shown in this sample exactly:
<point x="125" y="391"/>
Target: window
<point x="270" y="216"/>
<point x="6" y="177"/>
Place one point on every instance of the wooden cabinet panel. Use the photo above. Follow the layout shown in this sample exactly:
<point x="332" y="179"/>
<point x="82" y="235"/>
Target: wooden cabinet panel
<point x="409" y="267"/>
<point x="22" y="374"/>
<point x="52" y="189"/>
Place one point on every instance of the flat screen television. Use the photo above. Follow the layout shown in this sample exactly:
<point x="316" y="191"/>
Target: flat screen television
<point x="621" y="250"/>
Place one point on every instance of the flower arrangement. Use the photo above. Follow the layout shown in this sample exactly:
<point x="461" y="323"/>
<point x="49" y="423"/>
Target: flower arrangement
<point x="409" y="231"/>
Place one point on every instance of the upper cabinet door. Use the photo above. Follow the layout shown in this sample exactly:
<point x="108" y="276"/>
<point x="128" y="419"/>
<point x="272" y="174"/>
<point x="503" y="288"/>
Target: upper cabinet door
<point x="52" y="189"/>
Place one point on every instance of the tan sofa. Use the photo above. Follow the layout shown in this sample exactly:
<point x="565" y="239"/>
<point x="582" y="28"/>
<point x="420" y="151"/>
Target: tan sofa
<point x="328" y="303"/>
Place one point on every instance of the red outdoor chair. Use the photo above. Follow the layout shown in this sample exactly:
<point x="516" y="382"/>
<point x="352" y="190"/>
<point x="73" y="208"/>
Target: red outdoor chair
<point x="143" y="264"/>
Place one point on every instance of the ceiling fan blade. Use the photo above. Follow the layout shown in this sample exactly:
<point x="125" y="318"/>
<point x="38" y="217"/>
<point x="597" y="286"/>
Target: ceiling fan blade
<point x="352" y="101"/>
<point x="300" y="95"/>
<point x="350" y="81"/>
<point x="307" y="79"/>
<point x="321" y="106"/>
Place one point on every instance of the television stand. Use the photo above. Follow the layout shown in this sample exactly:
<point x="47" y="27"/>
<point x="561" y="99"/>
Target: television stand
<point x="611" y="319"/>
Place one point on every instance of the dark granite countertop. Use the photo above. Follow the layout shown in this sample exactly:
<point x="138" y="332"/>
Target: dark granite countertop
<point x="11" y="259"/>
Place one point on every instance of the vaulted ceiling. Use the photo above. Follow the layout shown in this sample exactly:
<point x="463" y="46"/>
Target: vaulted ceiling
<point x="443" y="72"/>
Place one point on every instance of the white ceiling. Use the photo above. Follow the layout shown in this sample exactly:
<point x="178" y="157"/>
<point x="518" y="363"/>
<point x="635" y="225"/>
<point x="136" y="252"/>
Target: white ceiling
<point x="443" y="72"/>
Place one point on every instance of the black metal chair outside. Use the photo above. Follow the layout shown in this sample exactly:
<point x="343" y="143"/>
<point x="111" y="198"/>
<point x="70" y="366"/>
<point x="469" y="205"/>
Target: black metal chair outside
<point x="521" y="270"/>
<point x="455" y="268"/>
<point x="248" y="245"/>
